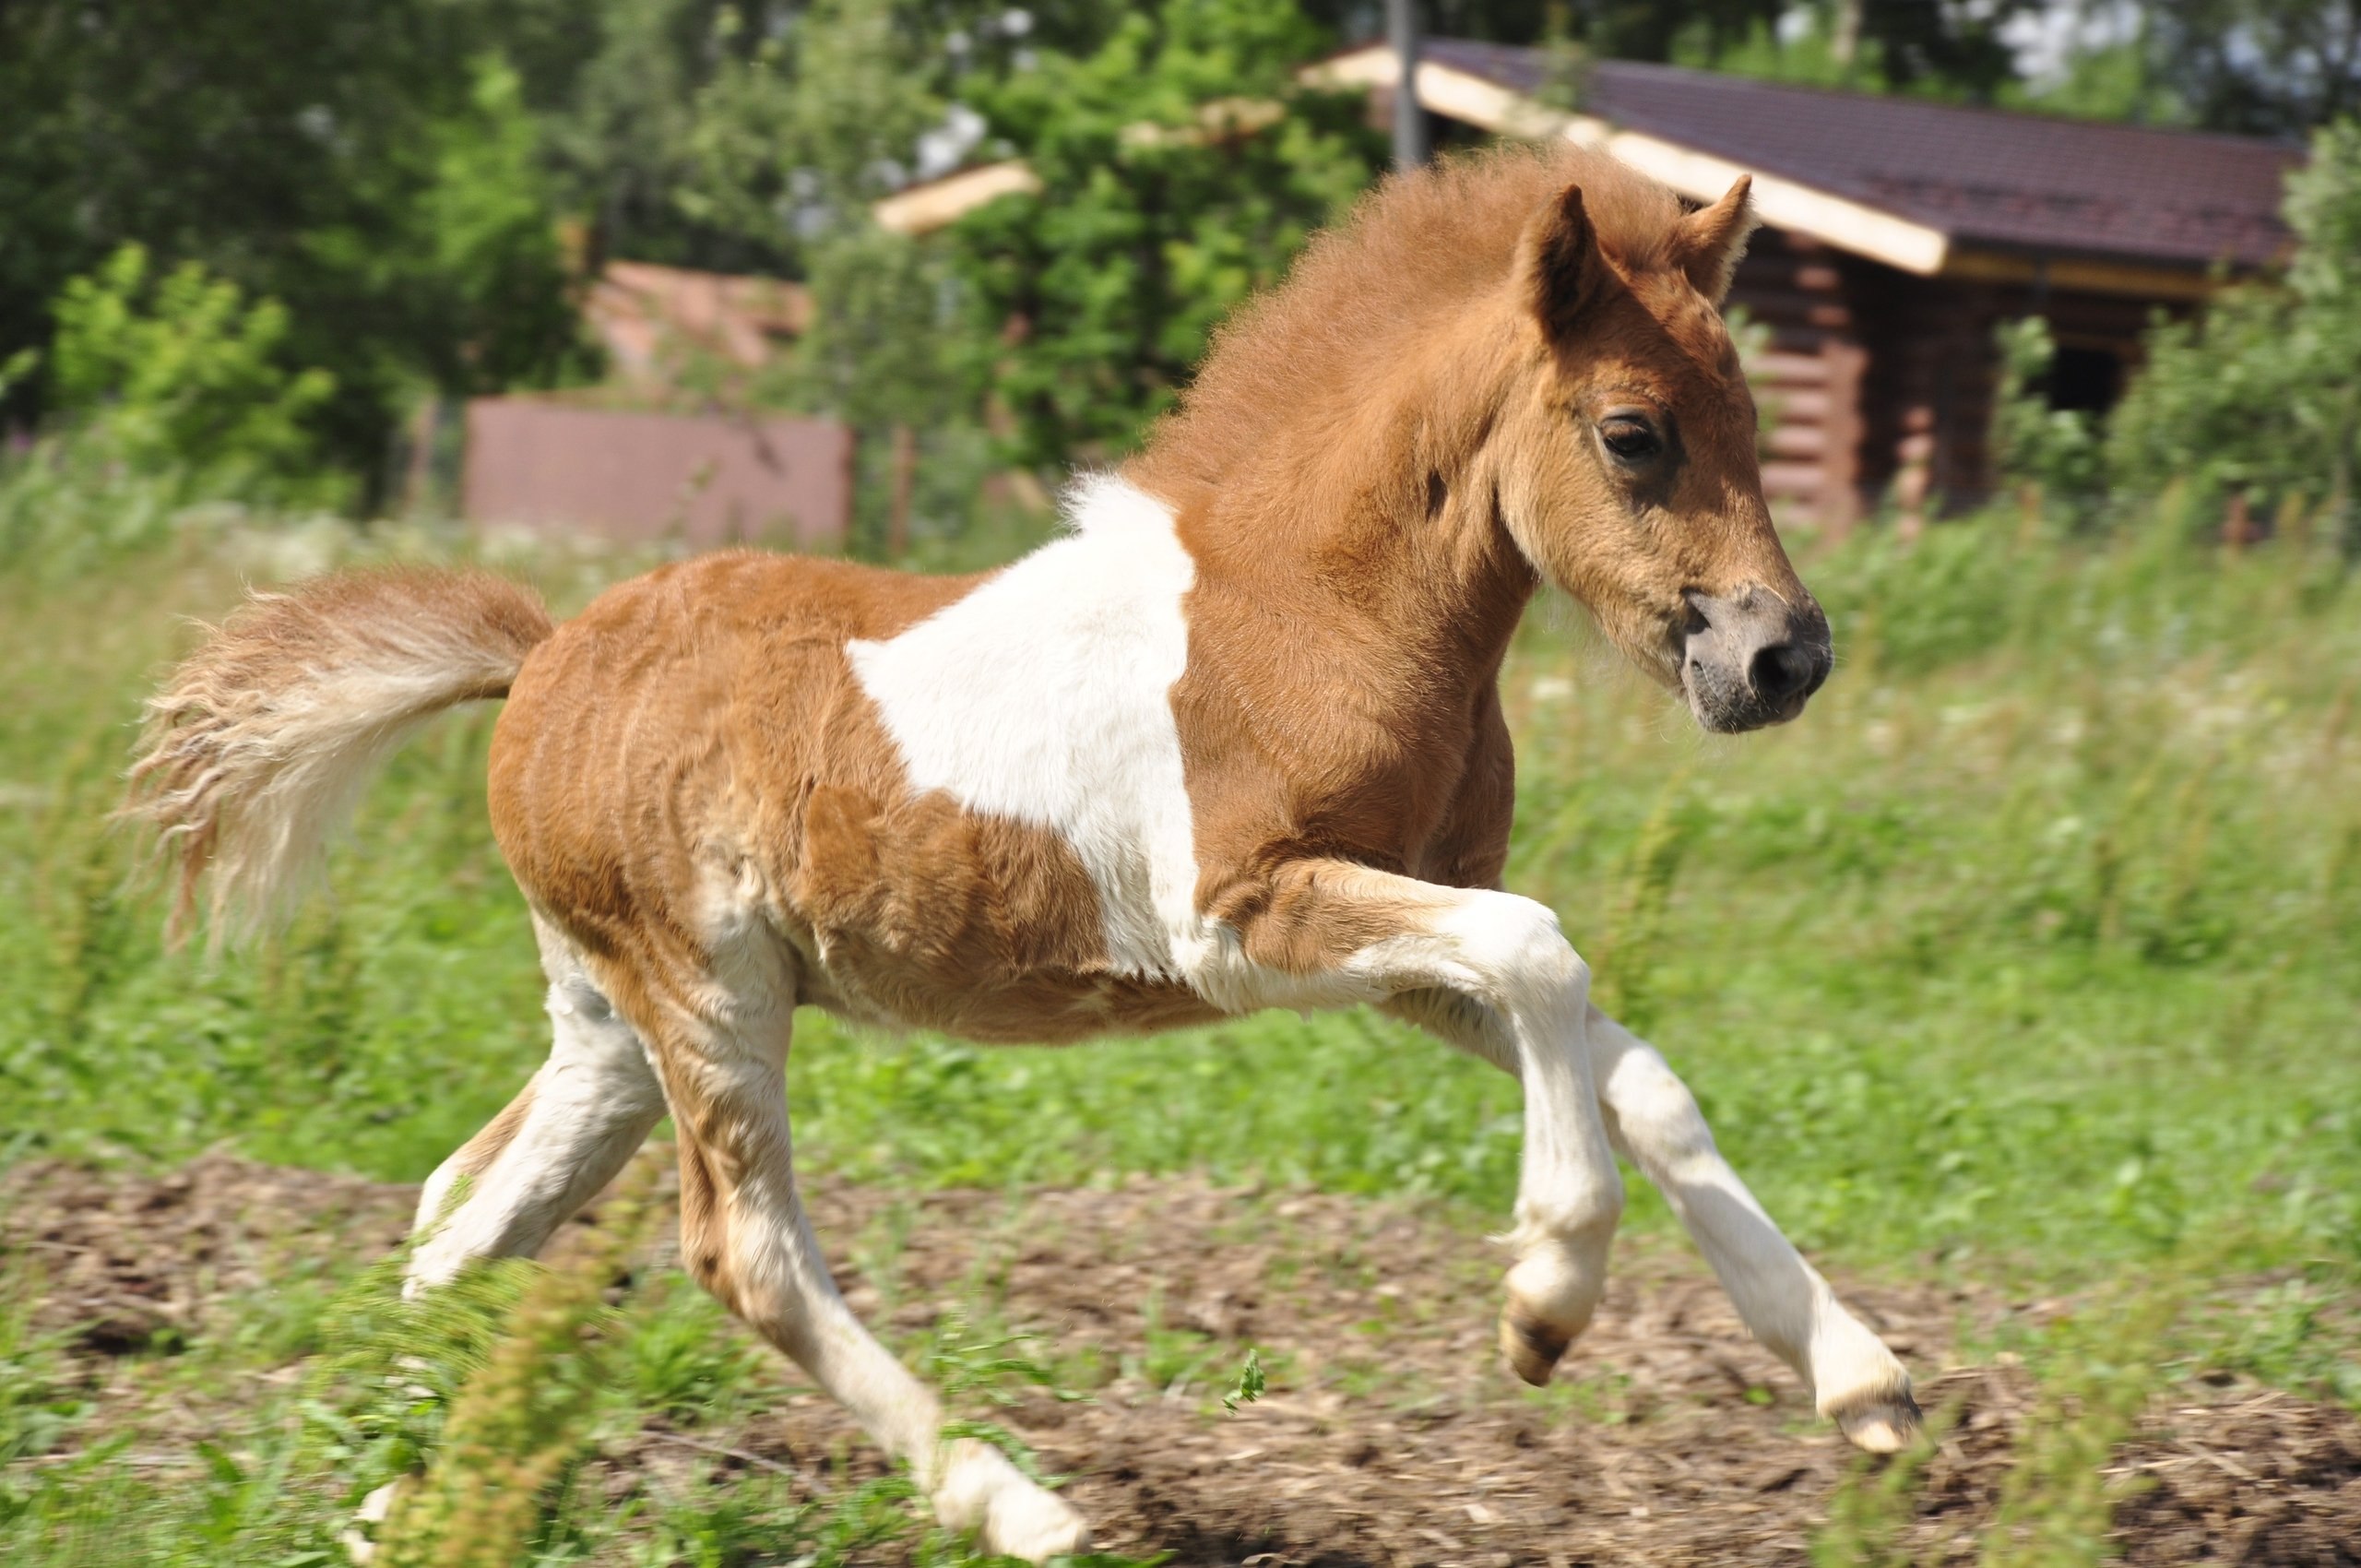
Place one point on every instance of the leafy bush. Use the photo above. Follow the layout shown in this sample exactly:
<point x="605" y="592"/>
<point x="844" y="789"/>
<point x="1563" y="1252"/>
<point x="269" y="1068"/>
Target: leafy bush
<point x="1181" y="166"/>
<point x="2052" y="454"/>
<point x="180" y="376"/>
<point x="2258" y="397"/>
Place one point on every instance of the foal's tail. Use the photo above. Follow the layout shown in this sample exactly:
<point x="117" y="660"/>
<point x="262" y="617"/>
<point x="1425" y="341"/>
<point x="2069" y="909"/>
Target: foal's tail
<point x="259" y="746"/>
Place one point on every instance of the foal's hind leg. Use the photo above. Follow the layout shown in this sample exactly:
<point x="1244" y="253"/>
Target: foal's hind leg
<point x="721" y="1046"/>
<point x="564" y="1136"/>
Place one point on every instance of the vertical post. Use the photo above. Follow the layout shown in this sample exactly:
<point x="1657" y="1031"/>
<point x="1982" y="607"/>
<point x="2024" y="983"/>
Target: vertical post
<point x="1409" y="120"/>
<point x="905" y="476"/>
<point x="418" y="471"/>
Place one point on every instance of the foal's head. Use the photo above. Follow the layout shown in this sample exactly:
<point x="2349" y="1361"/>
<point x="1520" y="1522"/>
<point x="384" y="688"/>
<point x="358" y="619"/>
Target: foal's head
<point x="1630" y="476"/>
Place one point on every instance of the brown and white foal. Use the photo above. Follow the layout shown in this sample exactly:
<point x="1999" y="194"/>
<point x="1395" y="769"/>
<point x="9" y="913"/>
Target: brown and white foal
<point x="1233" y="742"/>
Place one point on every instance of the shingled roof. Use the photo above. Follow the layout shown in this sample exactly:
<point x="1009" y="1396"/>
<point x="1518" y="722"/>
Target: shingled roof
<point x="1989" y="179"/>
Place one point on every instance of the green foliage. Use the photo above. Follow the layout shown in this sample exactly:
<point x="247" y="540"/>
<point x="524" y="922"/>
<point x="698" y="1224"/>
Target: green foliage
<point x="1181" y="166"/>
<point x="371" y="169"/>
<point x="1250" y="1383"/>
<point x="682" y="1357"/>
<point x="881" y="350"/>
<point x="2054" y="453"/>
<point x="2274" y="67"/>
<point x="2103" y="1370"/>
<point x="1943" y="52"/>
<point x="2255" y="397"/>
<point x="179" y="377"/>
<point x="524" y="1413"/>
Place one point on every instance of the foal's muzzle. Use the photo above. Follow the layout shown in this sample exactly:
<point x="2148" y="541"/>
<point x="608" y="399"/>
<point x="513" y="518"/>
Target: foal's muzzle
<point x="1752" y="658"/>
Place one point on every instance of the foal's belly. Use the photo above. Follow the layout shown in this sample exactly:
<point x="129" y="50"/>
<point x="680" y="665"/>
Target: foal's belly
<point x="1044" y="1007"/>
<point x="913" y="911"/>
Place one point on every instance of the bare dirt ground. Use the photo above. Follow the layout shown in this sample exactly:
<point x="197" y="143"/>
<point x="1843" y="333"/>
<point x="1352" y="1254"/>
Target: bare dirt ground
<point x="1390" y="1434"/>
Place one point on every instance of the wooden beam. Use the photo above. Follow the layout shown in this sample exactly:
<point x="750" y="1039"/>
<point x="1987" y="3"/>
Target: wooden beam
<point x="2083" y="277"/>
<point x="1789" y="204"/>
<point x="1703" y="176"/>
<point x="921" y="209"/>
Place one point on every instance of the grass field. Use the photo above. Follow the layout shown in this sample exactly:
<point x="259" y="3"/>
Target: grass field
<point x="2028" y="960"/>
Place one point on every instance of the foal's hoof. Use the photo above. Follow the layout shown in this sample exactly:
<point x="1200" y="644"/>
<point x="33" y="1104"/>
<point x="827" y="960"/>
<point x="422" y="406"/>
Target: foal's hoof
<point x="1530" y="1346"/>
<point x="1012" y="1517"/>
<point x="1886" y="1425"/>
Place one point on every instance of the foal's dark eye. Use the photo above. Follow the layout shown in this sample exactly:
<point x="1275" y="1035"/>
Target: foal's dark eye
<point x="1633" y="440"/>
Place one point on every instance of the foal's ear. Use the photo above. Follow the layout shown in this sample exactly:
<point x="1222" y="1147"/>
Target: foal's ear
<point x="1562" y="265"/>
<point x="1708" y="243"/>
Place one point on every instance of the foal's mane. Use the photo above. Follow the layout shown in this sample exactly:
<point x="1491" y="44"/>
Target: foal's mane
<point x="1415" y="250"/>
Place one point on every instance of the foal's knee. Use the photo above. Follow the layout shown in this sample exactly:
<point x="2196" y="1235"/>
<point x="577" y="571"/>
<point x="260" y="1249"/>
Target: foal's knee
<point x="1521" y="953"/>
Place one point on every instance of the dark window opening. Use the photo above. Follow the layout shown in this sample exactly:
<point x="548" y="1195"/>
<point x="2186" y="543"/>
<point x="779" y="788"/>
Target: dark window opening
<point x="2085" y="379"/>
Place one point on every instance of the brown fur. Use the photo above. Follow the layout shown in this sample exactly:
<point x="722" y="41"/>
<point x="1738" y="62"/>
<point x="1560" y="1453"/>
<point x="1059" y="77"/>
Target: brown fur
<point x="1346" y="491"/>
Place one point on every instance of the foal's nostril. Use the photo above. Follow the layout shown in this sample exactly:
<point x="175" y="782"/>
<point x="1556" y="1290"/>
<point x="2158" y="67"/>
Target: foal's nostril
<point x="1783" y="671"/>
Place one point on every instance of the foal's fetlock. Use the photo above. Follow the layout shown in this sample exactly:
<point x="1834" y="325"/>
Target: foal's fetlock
<point x="1550" y="1299"/>
<point x="980" y="1491"/>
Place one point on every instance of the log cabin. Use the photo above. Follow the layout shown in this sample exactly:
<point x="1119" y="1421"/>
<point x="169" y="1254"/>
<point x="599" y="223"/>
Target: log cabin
<point x="1897" y="234"/>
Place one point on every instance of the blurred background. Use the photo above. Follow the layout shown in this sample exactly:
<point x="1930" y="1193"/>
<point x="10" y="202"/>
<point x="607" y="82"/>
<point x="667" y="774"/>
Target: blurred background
<point x="2023" y="978"/>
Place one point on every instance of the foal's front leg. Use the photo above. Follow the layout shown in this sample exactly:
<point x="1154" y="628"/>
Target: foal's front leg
<point x="1856" y="1381"/>
<point x="1520" y="994"/>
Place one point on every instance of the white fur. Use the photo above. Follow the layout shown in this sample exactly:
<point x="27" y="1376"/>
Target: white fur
<point x="1782" y="1298"/>
<point x="595" y="1100"/>
<point x="1044" y="696"/>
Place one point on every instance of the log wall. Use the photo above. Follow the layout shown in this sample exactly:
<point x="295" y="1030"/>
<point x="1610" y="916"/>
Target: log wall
<point x="1878" y="383"/>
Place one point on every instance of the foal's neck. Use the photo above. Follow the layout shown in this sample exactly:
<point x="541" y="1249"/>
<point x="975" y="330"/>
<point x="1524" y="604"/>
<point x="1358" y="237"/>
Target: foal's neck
<point x="1375" y="521"/>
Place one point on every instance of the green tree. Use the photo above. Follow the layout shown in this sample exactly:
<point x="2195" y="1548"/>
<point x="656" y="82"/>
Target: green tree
<point x="2277" y="67"/>
<point x="2051" y="454"/>
<point x="373" y="168"/>
<point x="1180" y="166"/>
<point x="1912" y="46"/>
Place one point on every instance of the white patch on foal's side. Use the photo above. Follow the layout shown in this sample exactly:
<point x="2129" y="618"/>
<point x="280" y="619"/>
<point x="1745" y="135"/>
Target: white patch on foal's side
<point x="1044" y="696"/>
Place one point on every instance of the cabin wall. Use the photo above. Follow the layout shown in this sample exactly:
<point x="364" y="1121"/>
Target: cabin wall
<point x="1877" y="383"/>
<point x="1807" y="377"/>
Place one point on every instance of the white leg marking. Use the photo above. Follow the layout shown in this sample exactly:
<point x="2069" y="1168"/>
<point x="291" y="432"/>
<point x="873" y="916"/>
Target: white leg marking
<point x="762" y="1257"/>
<point x="1532" y="993"/>
<point x="594" y="1102"/>
<point x="1782" y="1299"/>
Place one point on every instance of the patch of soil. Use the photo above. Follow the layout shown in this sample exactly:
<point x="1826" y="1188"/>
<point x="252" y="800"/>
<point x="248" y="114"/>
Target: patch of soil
<point x="1390" y="1435"/>
<point x="125" y="1260"/>
<point x="2267" y="1481"/>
